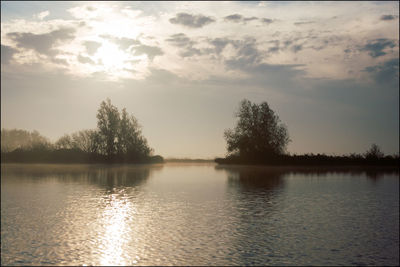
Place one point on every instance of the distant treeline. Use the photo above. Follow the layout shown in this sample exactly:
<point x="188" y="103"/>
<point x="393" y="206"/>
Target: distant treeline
<point x="315" y="159"/>
<point x="117" y="139"/>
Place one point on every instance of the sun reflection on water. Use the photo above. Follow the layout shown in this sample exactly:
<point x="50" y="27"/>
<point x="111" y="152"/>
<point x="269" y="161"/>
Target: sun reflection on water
<point x="117" y="231"/>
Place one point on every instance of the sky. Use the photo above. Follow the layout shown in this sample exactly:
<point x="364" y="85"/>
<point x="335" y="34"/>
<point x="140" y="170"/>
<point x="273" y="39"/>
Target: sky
<point x="329" y="70"/>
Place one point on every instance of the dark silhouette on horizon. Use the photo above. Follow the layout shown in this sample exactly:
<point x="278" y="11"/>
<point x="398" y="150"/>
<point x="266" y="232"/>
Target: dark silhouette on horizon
<point x="117" y="139"/>
<point x="260" y="138"/>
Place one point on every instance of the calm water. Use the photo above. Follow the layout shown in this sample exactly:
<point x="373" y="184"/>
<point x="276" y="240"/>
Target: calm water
<point x="196" y="214"/>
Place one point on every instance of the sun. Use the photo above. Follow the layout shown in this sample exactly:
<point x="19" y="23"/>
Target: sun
<point x="111" y="57"/>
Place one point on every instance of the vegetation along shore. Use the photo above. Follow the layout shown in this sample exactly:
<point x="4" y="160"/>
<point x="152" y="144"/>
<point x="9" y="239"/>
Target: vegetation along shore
<point x="259" y="138"/>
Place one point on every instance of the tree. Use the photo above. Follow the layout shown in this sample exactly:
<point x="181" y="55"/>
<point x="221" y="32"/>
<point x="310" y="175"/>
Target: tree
<point x="108" y="124"/>
<point x="64" y="142"/>
<point x="15" y="138"/>
<point x="120" y="134"/>
<point x="374" y="152"/>
<point x="258" y="135"/>
<point x="130" y="139"/>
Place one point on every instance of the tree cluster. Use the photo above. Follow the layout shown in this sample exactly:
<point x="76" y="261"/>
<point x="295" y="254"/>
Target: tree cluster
<point x="118" y="138"/>
<point x="258" y="134"/>
<point x="21" y="139"/>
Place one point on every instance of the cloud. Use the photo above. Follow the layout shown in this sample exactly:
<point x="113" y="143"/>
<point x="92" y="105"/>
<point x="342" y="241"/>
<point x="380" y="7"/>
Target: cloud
<point x="236" y="18"/>
<point x="7" y="53"/>
<point x="91" y="47"/>
<point x="242" y="50"/>
<point x="386" y="72"/>
<point x="182" y="41"/>
<point x="59" y="61"/>
<point x="376" y="47"/>
<point x="303" y="23"/>
<point x="85" y="60"/>
<point x="266" y="21"/>
<point x="150" y="51"/>
<point x="297" y="48"/>
<point x="387" y="17"/>
<point x="134" y="46"/>
<point x="191" y="21"/>
<point x="42" y="43"/>
<point x="275" y="48"/>
<point x="123" y="43"/>
<point x="43" y="14"/>
<point x="219" y="44"/>
<point x="179" y="40"/>
<point x="250" y="19"/>
<point x="247" y="54"/>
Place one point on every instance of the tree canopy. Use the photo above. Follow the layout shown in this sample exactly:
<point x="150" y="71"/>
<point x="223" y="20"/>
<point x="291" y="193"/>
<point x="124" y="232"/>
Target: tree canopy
<point x="258" y="134"/>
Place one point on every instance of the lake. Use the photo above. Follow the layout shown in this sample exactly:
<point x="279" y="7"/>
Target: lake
<point x="197" y="214"/>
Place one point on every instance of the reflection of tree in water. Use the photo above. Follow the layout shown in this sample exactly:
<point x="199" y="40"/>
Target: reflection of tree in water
<point x="264" y="177"/>
<point x="253" y="192"/>
<point x="254" y="180"/>
<point x="104" y="176"/>
<point x="254" y="188"/>
<point x="374" y="175"/>
<point x="111" y="178"/>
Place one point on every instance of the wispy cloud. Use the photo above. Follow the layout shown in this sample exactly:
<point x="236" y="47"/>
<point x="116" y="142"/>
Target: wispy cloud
<point x="191" y="21"/>
<point x="237" y="18"/>
<point x="300" y="23"/>
<point x="43" y="14"/>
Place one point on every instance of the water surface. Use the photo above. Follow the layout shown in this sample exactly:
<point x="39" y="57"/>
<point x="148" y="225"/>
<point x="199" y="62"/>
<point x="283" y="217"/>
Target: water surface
<point x="197" y="214"/>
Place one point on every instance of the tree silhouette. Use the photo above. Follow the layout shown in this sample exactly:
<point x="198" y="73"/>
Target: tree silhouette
<point x="119" y="134"/>
<point x="108" y="124"/>
<point x="374" y="152"/>
<point x="258" y="135"/>
<point x="130" y="140"/>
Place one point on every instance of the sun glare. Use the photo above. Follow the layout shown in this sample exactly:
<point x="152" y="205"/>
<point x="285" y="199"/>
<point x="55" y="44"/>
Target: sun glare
<point x="111" y="57"/>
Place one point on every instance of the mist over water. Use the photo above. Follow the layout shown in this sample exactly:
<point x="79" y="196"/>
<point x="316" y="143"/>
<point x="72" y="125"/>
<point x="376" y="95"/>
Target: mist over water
<point x="196" y="214"/>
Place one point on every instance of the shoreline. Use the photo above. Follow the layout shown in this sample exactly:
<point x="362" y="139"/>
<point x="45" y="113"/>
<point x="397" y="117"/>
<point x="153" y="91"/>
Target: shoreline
<point x="306" y="167"/>
<point x="312" y="167"/>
